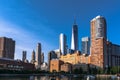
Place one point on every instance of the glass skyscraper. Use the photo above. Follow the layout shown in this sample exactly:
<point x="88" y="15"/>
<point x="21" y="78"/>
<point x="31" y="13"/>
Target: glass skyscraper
<point x="85" y="45"/>
<point x="63" y="49"/>
<point x="74" y="40"/>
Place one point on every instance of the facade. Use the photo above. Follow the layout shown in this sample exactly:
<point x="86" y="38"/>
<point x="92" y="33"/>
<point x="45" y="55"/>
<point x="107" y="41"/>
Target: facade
<point x="38" y="56"/>
<point x="69" y="62"/>
<point x="74" y="40"/>
<point x="11" y="64"/>
<point x="33" y="57"/>
<point x="113" y="54"/>
<point x="85" y="45"/>
<point x="98" y="42"/>
<point x="63" y="47"/>
<point x="82" y="66"/>
<point x="51" y="55"/>
<point x="71" y="58"/>
<point x="75" y="58"/>
<point x="42" y="58"/>
<point x="24" y="53"/>
<point x="55" y="65"/>
<point x="7" y="48"/>
<point x="66" y="67"/>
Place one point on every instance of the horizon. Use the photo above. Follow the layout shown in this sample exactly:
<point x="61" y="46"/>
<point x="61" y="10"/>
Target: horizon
<point x="34" y="21"/>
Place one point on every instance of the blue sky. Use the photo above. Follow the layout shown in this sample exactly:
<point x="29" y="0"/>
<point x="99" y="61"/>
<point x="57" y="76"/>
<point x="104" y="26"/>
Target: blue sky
<point x="31" y="21"/>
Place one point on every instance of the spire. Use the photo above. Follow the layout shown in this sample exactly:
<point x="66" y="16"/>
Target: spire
<point x="74" y="40"/>
<point x="74" y="19"/>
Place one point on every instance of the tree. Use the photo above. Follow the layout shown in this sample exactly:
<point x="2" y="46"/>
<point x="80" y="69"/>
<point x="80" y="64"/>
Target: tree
<point x="76" y="71"/>
<point x="115" y="69"/>
<point x="80" y="70"/>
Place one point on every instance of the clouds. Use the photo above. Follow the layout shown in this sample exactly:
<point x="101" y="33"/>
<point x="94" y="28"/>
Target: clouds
<point x="25" y="40"/>
<point x="7" y="28"/>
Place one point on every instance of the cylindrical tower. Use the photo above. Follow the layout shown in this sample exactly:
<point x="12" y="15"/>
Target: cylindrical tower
<point x="98" y="42"/>
<point x="100" y="24"/>
<point x="63" y="49"/>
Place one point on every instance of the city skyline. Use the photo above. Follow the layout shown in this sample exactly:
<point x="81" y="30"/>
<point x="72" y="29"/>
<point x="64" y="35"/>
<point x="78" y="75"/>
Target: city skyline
<point x="30" y="22"/>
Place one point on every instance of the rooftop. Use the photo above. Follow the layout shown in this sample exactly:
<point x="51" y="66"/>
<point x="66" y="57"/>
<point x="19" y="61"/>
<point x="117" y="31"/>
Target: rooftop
<point x="97" y="17"/>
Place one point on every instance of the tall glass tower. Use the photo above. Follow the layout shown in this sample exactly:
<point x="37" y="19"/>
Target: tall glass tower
<point x="74" y="40"/>
<point x="38" y="56"/>
<point x="85" y="45"/>
<point x="63" y="49"/>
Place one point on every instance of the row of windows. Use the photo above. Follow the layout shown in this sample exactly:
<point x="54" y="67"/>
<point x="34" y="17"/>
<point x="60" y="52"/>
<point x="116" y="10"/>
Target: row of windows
<point x="15" y="66"/>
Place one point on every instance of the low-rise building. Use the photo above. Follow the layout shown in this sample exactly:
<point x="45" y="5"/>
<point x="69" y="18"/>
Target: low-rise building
<point x="10" y="64"/>
<point x="55" y="65"/>
<point x="82" y="66"/>
<point x="69" y="62"/>
<point x="66" y="67"/>
<point x="76" y="58"/>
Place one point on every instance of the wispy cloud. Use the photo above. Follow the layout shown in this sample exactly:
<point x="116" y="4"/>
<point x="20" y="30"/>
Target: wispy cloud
<point x="24" y="39"/>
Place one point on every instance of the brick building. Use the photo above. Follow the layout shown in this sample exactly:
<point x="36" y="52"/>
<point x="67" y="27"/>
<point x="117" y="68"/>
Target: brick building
<point x="113" y="54"/>
<point x="7" y="48"/>
<point x="70" y="62"/>
<point x="103" y="53"/>
<point x="11" y="64"/>
<point x="75" y="58"/>
<point x="55" y="65"/>
<point x="98" y="42"/>
<point x="66" y="67"/>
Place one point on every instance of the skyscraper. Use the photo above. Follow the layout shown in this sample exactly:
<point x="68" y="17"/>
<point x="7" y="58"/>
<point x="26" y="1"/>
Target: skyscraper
<point x="33" y="57"/>
<point x="24" y="53"/>
<point x="85" y="45"/>
<point x="98" y="42"/>
<point x="100" y="29"/>
<point x="74" y="40"/>
<point x="38" y="56"/>
<point x="63" y="47"/>
<point x="7" y="48"/>
<point x="42" y="58"/>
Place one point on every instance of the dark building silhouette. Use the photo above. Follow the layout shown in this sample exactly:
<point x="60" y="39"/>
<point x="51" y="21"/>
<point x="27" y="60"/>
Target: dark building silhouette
<point x="7" y="47"/>
<point x="33" y="57"/>
<point x="10" y="64"/>
<point x="24" y="53"/>
<point x="42" y="58"/>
